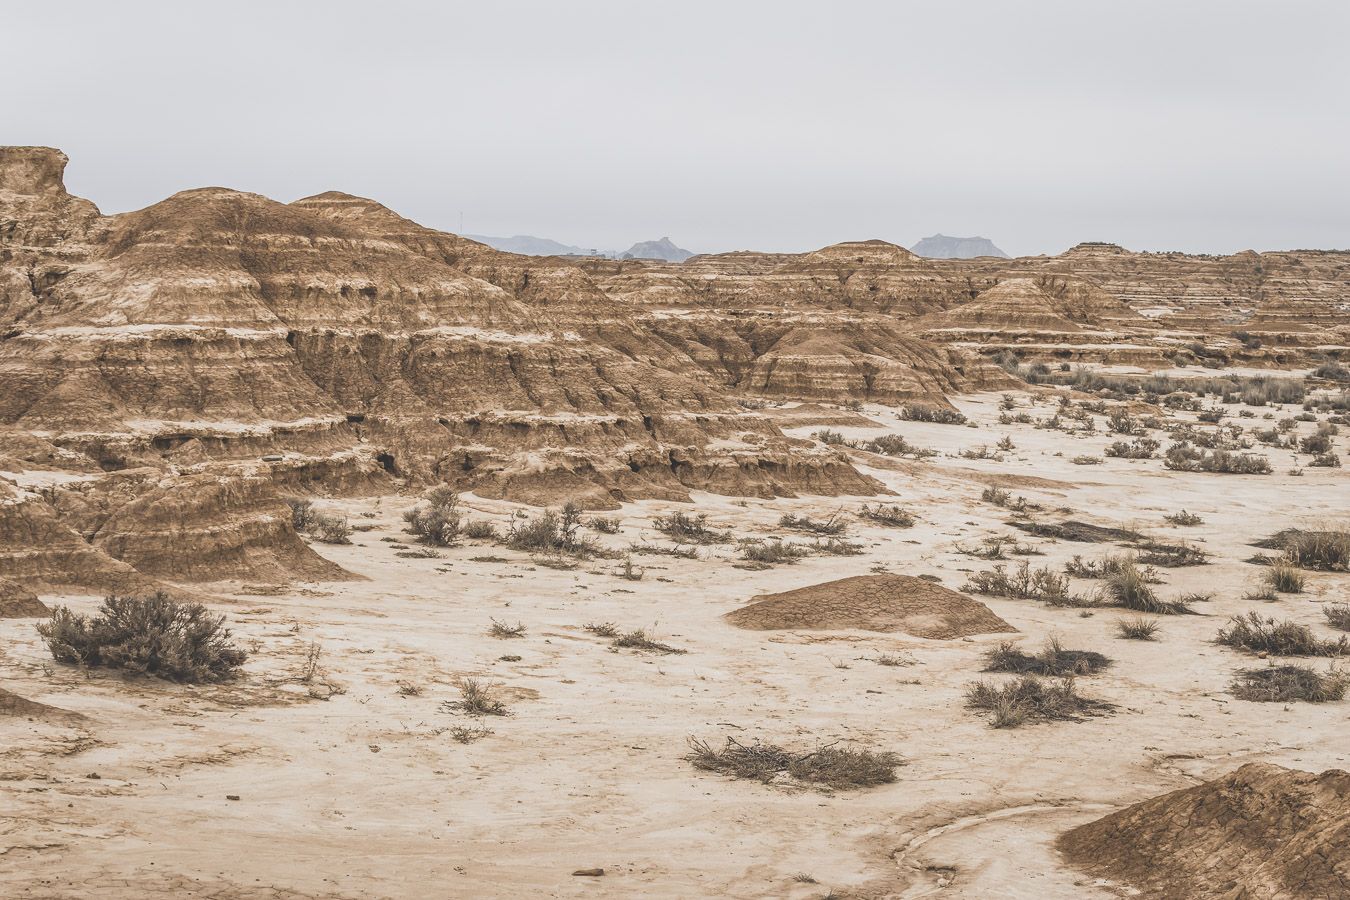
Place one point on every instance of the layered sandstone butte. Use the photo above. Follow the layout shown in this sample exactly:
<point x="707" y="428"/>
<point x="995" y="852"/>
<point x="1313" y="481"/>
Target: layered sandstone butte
<point x="1261" y="831"/>
<point x="198" y="360"/>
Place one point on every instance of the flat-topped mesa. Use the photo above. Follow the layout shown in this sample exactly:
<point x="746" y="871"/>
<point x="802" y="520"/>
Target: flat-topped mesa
<point x="32" y="170"/>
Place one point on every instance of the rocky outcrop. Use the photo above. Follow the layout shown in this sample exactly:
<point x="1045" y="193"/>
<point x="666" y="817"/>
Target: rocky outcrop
<point x="1261" y="831"/>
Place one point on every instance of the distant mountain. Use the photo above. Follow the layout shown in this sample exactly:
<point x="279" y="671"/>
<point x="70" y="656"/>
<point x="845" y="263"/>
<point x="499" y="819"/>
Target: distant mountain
<point x="529" y="245"/>
<point x="662" y="249"/>
<point x="941" y="246"/>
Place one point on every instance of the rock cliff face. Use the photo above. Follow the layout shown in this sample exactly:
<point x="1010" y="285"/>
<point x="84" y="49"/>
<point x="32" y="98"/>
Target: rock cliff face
<point x="216" y="351"/>
<point x="1261" y="831"/>
<point x="237" y="349"/>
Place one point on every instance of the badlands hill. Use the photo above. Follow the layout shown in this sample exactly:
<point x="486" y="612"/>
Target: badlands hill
<point x="1261" y="831"/>
<point x="205" y="357"/>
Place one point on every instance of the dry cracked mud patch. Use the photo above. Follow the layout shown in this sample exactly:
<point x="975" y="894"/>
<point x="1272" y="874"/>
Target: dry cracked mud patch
<point x="354" y="779"/>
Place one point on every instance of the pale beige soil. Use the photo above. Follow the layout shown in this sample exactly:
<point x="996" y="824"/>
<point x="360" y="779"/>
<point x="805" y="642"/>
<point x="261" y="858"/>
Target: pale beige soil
<point x="364" y="795"/>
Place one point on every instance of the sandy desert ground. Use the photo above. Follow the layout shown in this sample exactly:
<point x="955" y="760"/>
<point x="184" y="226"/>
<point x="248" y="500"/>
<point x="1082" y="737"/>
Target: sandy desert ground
<point x="341" y="778"/>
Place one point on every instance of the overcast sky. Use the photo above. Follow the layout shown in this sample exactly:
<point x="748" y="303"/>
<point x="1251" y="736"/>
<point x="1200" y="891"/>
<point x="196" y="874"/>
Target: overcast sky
<point x="1196" y="125"/>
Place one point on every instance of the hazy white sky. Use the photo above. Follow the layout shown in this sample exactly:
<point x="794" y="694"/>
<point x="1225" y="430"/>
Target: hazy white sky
<point x="1201" y="125"/>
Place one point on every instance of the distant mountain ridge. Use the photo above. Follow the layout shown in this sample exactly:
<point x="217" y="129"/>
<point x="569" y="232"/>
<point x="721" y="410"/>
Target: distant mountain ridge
<point x="529" y="245"/>
<point x="941" y="246"/>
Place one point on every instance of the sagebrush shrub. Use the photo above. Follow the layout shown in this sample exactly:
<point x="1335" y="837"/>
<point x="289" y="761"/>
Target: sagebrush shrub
<point x="149" y="635"/>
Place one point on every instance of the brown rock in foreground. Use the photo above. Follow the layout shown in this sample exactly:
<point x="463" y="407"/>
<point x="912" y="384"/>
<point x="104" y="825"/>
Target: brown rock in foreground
<point x="1261" y="831"/>
<point x="884" y="603"/>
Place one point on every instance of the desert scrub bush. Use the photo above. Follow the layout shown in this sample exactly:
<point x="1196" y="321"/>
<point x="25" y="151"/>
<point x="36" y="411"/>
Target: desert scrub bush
<point x="676" y="552"/>
<point x="480" y="530"/>
<point x="887" y="514"/>
<point x="302" y="514"/>
<point x="1183" y="518"/>
<point x="475" y="699"/>
<point x="1183" y="457"/>
<point x="638" y="640"/>
<point x="997" y="546"/>
<point x="628" y="571"/>
<point x="923" y="413"/>
<point x="980" y="452"/>
<point x="1138" y="629"/>
<point x="996" y="495"/>
<point x="602" y="629"/>
<point x="1255" y="634"/>
<point x="893" y="659"/>
<point x="829" y="437"/>
<point x="147" y="635"/>
<point x="1139" y="448"/>
<point x="1287" y="684"/>
<point x="552" y="531"/>
<point x="1032" y="699"/>
<point x="1128" y="588"/>
<point x="1006" y="444"/>
<point x="772" y="552"/>
<point x="1284" y="578"/>
<point x="1318" y="442"/>
<point x="1085" y="460"/>
<point x="1338" y="615"/>
<point x="419" y="553"/>
<point x="1327" y="460"/>
<point x="1170" y="556"/>
<point x="1332" y="371"/>
<point x="687" y="529"/>
<point x="1120" y="422"/>
<point x="836" y="547"/>
<point x="1053" y="659"/>
<point x="437" y="520"/>
<point x="1107" y="565"/>
<point x="1327" y="551"/>
<point x="467" y="734"/>
<point x="1023" y="584"/>
<point x="503" y="630"/>
<point x="604" y="525"/>
<point x="330" y="529"/>
<point x="892" y="445"/>
<point x="831" y="765"/>
<point x="832" y="525"/>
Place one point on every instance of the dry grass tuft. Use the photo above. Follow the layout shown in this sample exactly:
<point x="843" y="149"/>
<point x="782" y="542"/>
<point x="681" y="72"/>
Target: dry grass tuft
<point x="1030" y="699"/>
<point x="1287" y="684"/>
<point x="1138" y="629"/>
<point x="475" y="699"/>
<point x="1263" y="635"/>
<point x="830" y="765"/>
<point x="1285" y="578"/>
<point x="886" y="514"/>
<point x="1338" y="615"/>
<point x="502" y="630"/>
<point x="1053" y="660"/>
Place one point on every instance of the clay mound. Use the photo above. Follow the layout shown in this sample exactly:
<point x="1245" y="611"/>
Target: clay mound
<point x="17" y="602"/>
<point x="1261" y="831"/>
<point x="884" y="603"/>
<point x="12" y="704"/>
